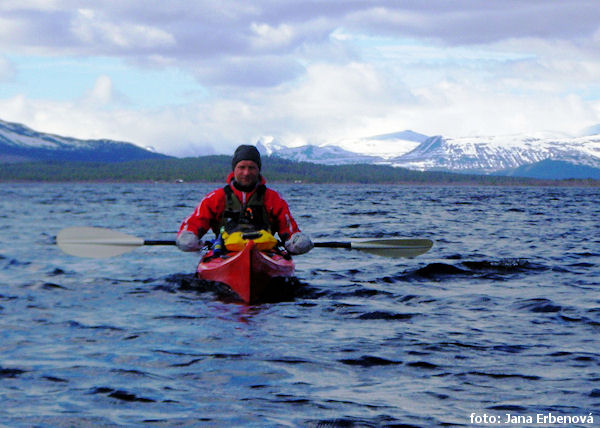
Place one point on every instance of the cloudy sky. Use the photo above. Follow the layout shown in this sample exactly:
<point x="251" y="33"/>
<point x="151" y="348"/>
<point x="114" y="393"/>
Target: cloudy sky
<point x="197" y="77"/>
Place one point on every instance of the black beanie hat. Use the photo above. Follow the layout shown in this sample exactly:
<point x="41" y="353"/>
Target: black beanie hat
<point x="245" y="152"/>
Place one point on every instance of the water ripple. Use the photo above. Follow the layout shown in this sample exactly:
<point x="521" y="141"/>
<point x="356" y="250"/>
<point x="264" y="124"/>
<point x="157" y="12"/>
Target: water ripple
<point x="500" y="314"/>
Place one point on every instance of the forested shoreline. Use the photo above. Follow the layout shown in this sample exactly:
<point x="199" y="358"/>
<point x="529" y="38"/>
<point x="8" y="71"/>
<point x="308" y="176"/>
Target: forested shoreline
<point x="215" y="169"/>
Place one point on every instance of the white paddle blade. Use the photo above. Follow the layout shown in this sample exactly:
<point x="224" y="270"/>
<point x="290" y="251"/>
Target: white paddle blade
<point x="95" y="242"/>
<point x="395" y="248"/>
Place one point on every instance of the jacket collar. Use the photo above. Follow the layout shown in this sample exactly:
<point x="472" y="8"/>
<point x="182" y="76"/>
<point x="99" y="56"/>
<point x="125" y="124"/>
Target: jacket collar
<point x="244" y="196"/>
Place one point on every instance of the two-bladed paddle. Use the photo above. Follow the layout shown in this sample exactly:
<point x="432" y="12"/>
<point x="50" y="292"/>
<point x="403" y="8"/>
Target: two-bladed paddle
<point x="387" y="247"/>
<point x="99" y="242"/>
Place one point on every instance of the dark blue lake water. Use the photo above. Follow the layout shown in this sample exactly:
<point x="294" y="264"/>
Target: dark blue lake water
<point x="501" y="317"/>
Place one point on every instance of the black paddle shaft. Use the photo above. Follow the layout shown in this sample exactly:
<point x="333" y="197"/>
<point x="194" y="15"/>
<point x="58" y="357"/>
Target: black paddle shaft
<point x="151" y="242"/>
<point x="333" y="244"/>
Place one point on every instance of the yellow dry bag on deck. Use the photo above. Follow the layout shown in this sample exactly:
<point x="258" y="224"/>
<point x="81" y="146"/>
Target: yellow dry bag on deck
<point x="236" y="241"/>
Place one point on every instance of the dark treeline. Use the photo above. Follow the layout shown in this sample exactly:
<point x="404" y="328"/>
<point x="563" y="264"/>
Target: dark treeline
<point x="215" y="169"/>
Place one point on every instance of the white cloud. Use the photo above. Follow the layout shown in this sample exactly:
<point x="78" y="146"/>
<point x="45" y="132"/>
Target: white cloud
<point x="307" y="71"/>
<point x="330" y="105"/>
<point x="16" y="5"/>
<point x="91" y="27"/>
<point x="268" y="37"/>
<point x="10" y="28"/>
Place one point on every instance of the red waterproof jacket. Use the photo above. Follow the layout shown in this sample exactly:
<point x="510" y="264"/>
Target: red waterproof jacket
<point x="209" y="212"/>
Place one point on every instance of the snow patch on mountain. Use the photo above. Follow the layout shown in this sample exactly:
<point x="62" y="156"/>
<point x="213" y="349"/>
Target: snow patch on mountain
<point x="385" y="146"/>
<point x="488" y="154"/>
<point x="475" y="154"/>
<point x="19" y="143"/>
<point x="15" y="134"/>
<point x="326" y="155"/>
<point x="375" y="149"/>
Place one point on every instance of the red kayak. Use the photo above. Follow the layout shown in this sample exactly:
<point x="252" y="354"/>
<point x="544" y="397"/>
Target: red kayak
<point x="247" y="272"/>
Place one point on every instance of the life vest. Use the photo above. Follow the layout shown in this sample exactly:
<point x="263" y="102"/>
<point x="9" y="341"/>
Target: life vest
<point x="250" y="217"/>
<point x="246" y="222"/>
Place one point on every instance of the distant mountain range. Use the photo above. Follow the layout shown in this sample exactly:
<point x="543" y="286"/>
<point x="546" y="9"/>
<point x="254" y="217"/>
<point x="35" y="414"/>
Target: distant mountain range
<point x="379" y="149"/>
<point x="528" y="155"/>
<point x="19" y="143"/>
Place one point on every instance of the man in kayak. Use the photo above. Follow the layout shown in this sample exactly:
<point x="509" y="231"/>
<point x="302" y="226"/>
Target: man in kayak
<point x="245" y="201"/>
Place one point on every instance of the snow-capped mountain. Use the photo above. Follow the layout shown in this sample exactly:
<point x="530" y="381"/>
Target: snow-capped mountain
<point x="376" y="149"/>
<point x="485" y="155"/>
<point x="19" y="143"/>
<point x="385" y="146"/>
<point x="536" y="155"/>
<point x="326" y="155"/>
<point x="490" y="154"/>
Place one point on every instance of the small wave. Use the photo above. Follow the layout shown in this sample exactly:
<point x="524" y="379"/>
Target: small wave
<point x="289" y="360"/>
<point x="492" y="269"/>
<point x="202" y="357"/>
<point x="7" y="298"/>
<point x="455" y="257"/>
<point x="55" y="379"/>
<point x="584" y="265"/>
<point x="502" y="375"/>
<point x="12" y="263"/>
<point x="386" y="316"/>
<point x="380" y="421"/>
<point x="177" y="317"/>
<point x="10" y="373"/>
<point x="45" y="286"/>
<point x="188" y="363"/>
<point x="120" y="394"/>
<point x="587" y="254"/>
<point x="503" y="265"/>
<point x="361" y="291"/>
<point x="203" y="354"/>
<point x="374" y="213"/>
<point x="422" y="365"/>
<point x="367" y="292"/>
<point x="182" y="280"/>
<point x="451" y="346"/>
<point x="369" y="361"/>
<point x="433" y="271"/>
<point x="132" y="372"/>
<point x="539" y="305"/>
<point x="508" y="408"/>
<point x="586" y="358"/>
<point x="511" y="349"/>
<point x="75" y="324"/>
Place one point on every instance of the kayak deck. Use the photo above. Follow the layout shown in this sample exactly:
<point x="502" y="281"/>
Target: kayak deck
<point x="247" y="272"/>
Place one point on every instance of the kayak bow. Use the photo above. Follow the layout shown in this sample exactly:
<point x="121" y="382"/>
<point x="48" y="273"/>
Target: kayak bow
<point x="247" y="272"/>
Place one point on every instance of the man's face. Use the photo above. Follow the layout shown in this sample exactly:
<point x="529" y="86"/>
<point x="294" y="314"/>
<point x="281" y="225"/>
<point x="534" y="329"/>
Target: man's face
<point x="246" y="173"/>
